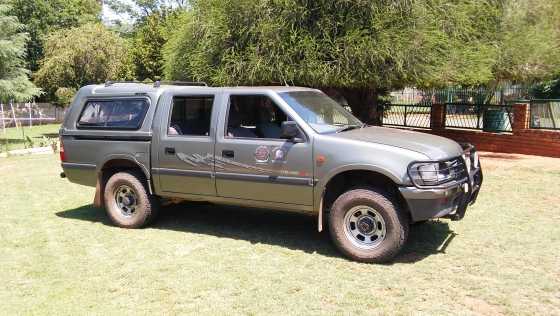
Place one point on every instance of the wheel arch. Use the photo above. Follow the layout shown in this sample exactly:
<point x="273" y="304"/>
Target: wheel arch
<point x="340" y="180"/>
<point x="113" y="164"/>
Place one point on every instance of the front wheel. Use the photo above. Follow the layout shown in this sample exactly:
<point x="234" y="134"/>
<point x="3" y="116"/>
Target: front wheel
<point x="367" y="226"/>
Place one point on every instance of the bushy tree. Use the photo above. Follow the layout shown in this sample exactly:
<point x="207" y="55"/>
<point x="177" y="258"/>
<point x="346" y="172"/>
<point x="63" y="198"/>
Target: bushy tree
<point x="14" y="81"/>
<point x="141" y="9"/>
<point x="359" y="48"/>
<point x="529" y="41"/>
<point x="147" y="45"/>
<point x="76" y="57"/>
<point x="44" y="16"/>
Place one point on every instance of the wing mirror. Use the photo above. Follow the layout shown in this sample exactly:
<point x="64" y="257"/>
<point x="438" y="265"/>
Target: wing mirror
<point x="290" y="131"/>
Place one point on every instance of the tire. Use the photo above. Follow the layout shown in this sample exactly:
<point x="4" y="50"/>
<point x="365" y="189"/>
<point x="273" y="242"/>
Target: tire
<point x="127" y="201"/>
<point x="379" y="229"/>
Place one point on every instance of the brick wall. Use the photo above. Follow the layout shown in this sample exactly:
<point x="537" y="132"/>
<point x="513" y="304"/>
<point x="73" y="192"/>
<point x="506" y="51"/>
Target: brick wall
<point x="522" y="140"/>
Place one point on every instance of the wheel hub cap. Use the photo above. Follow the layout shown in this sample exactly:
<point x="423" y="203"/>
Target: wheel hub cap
<point x="364" y="227"/>
<point x="126" y="200"/>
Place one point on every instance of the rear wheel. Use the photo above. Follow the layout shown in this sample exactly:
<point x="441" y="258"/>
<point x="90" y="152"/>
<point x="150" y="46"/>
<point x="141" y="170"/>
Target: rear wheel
<point x="127" y="201"/>
<point x="367" y="226"/>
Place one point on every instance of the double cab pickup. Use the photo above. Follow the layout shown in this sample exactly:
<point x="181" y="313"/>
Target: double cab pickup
<point x="288" y="148"/>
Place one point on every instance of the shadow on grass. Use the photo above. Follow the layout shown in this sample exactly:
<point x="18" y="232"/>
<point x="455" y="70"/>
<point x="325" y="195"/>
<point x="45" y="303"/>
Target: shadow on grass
<point x="284" y="229"/>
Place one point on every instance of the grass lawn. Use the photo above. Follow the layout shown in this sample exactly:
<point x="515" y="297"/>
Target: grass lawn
<point x="60" y="255"/>
<point x="15" y="139"/>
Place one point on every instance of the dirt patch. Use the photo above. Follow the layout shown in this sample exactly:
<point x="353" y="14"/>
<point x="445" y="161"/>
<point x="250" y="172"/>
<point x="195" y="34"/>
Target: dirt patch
<point x="481" y="307"/>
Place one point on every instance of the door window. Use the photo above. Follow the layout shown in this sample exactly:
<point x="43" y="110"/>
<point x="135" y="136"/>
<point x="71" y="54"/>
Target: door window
<point x="254" y="116"/>
<point x="190" y="115"/>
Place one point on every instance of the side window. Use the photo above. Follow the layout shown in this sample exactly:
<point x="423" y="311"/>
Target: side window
<point x="113" y="114"/>
<point x="190" y="115"/>
<point x="254" y="116"/>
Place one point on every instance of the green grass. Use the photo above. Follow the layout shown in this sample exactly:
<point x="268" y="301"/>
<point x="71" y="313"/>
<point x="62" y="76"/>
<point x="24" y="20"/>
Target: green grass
<point x="60" y="255"/>
<point x="15" y="140"/>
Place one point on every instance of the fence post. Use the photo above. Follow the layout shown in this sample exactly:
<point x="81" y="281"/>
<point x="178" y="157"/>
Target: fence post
<point x="2" y="114"/>
<point x="521" y="117"/>
<point x="438" y="116"/>
<point x="405" y="110"/>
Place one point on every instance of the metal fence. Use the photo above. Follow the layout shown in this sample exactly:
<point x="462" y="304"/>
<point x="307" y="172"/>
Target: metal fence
<point x="487" y="117"/>
<point x="409" y="115"/>
<point x="30" y="114"/>
<point x="545" y="114"/>
<point x="500" y="95"/>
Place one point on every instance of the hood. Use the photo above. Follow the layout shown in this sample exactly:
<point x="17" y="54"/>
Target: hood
<point x="435" y="147"/>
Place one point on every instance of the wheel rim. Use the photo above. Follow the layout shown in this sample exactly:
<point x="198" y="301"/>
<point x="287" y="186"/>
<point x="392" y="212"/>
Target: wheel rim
<point x="364" y="227"/>
<point x="126" y="200"/>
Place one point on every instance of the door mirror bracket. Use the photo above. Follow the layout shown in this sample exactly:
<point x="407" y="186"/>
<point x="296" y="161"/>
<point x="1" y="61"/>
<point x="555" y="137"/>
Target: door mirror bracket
<point x="291" y="132"/>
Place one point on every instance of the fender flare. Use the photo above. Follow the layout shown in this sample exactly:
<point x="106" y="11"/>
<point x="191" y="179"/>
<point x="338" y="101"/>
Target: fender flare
<point x="319" y="192"/>
<point x="98" y="200"/>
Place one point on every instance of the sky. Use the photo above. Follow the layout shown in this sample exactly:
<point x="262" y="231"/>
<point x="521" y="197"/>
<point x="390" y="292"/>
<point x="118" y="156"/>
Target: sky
<point x="108" y="16"/>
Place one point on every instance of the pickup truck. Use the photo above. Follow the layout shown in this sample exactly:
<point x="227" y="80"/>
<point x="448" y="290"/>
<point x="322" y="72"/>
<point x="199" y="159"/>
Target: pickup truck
<point x="288" y="148"/>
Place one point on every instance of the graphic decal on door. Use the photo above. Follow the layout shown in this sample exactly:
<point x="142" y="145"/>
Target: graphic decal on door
<point x="219" y="163"/>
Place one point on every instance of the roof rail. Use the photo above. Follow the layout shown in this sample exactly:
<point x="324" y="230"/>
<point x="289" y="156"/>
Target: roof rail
<point x="111" y="82"/>
<point x="158" y="83"/>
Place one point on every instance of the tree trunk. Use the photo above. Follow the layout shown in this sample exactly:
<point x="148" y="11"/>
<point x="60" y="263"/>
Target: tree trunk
<point x="364" y="103"/>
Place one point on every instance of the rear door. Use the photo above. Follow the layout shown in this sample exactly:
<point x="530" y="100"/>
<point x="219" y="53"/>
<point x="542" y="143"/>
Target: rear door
<point x="186" y="145"/>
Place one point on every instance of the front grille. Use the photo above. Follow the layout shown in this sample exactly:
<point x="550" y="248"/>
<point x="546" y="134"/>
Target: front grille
<point x="455" y="168"/>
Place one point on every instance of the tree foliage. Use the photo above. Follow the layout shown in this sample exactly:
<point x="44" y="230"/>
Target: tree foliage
<point x="147" y="44"/>
<point x="360" y="48"/>
<point x="529" y="41"/>
<point x="14" y="81"/>
<point x="44" y="16"/>
<point x="142" y="9"/>
<point x="76" y="57"/>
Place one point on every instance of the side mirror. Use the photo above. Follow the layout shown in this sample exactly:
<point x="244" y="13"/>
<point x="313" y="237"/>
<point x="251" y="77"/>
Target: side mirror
<point x="290" y="130"/>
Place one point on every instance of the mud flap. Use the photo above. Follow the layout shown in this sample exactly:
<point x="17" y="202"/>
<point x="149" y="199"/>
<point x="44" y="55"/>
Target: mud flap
<point x="98" y="198"/>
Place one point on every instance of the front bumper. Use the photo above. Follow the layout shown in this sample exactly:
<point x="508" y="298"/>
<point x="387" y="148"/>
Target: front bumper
<point x="450" y="202"/>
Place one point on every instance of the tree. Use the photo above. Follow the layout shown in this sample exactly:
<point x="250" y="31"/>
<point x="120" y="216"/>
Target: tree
<point x="76" y="57"/>
<point x="14" y="81"/>
<point x="44" y="16"/>
<point x="147" y="45"/>
<point x="360" y="49"/>
<point x="141" y="9"/>
<point x="529" y="42"/>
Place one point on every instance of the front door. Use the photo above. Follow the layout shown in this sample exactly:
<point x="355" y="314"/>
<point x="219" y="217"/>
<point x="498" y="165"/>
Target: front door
<point x="253" y="162"/>
<point x="186" y="147"/>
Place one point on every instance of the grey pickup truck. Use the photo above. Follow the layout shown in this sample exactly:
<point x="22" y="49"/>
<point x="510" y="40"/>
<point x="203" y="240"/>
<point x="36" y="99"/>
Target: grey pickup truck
<point x="288" y="148"/>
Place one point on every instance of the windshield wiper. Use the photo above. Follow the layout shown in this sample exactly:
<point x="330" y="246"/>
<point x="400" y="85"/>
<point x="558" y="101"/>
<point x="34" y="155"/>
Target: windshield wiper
<point x="348" y="128"/>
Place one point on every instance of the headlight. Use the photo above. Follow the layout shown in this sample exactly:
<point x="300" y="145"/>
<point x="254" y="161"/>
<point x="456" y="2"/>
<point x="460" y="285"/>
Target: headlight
<point x="436" y="173"/>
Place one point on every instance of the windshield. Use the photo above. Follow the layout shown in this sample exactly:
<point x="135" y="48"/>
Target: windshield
<point x="322" y="113"/>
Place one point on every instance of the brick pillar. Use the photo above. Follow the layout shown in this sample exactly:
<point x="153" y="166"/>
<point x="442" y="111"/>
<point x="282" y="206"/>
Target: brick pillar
<point x="438" y="116"/>
<point x="520" y="117"/>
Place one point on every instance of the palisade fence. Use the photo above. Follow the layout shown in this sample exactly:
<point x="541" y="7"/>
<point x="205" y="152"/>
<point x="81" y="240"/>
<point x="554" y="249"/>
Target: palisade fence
<point x="30" y="114"/>
<point x="465" y="108"/>
<point x="544" y="114"/>
<point x="487" y="117"/>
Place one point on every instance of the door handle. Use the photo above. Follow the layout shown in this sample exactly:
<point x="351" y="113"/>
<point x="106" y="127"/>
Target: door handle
<point x="228" y="153"/>
<point x="170" y="150"/>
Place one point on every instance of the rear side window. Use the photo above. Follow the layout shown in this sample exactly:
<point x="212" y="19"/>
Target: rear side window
<point x="114" y="114"/>
<point x="191" y="115"/>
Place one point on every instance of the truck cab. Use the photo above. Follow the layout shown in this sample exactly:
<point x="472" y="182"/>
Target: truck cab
<point x="289" y="148"/>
